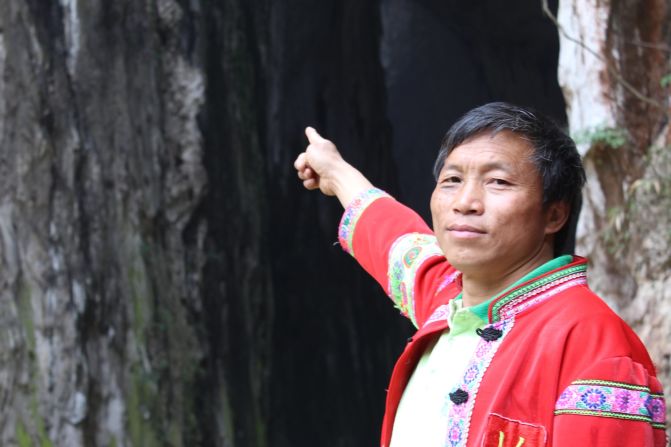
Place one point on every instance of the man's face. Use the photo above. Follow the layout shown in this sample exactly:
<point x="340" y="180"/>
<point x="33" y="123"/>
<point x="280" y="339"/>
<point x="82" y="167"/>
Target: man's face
<point x="487" y="207"/>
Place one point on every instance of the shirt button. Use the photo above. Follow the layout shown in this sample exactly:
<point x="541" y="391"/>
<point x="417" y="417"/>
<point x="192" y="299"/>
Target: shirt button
<point x="459" y="396"/>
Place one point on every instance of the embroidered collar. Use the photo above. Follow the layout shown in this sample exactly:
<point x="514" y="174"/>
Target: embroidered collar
<point x="528" y="294"/>
<point x="482" y="309"/>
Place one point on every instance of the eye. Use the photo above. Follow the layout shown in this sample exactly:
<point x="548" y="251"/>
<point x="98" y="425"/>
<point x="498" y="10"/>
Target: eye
<point x="449" y="182"/>
<point x="451" y="179"/>
<point x="500" y="181"/>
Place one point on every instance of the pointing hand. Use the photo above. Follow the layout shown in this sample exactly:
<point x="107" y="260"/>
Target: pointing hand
<point x="322" y="167"/>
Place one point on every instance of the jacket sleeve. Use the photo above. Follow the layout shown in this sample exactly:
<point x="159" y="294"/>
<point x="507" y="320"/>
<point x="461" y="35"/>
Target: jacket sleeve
<point x="394" y="245"/>
<point x="615" y="401"/>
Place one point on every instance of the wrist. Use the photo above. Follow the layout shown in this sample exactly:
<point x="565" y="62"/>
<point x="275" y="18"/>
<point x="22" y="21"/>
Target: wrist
<point x="349" y="183"/>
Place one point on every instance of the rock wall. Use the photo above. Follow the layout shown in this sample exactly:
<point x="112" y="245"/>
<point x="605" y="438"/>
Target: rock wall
<point x="158" y="280"/>
<point x="613" y="68"/>
<point x="101" y="173"/>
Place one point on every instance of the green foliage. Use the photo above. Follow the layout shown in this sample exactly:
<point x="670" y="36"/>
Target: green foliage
<point x="142" y="397"/>
<point x="616" y="234"/>
<point x="665" y="81"/>
<point x="613" y="137"/>
<point x="25" y="440"/>
<point x="23" y="437"/>
<point x="25" y="311"/>
<point x="652" y="190"/>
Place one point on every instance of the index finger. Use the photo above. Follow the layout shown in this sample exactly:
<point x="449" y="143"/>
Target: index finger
<point x="313" y="135"/>
<point x="301" y="162"/>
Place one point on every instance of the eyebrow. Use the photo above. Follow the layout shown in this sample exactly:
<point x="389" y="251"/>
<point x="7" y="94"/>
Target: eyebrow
<point x="492" y="166"/>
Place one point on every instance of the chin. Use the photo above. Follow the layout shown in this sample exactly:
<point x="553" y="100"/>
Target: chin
<point x="466" y="264"/>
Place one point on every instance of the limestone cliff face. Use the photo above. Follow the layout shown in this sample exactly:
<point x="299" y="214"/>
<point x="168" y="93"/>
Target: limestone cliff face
<point x="613" y="61"/>
<point x="101" y="173"/>
<point x="159" y="282"/>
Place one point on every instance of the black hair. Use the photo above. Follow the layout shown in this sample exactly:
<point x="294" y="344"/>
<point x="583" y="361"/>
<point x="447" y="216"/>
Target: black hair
<point x="554" y="155"/>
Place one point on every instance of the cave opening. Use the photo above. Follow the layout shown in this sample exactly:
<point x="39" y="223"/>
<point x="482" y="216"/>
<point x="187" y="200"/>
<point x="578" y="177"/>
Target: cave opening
<point x="383" y="80"/>
<point x="443" y="58"/>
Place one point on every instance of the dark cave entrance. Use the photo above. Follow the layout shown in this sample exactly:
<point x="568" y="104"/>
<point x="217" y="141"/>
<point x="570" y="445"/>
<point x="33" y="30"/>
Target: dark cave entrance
<point x="384" y="80"/>
<point x="442" y="58"/>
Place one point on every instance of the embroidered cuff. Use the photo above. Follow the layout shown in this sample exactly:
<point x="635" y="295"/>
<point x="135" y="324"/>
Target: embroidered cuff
<point x="406" y="256"/>
<point x="612" y="399"/>
<point x="352" y="214"/>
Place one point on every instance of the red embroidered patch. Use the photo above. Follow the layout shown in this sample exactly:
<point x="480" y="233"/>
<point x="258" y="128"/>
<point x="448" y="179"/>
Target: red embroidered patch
<point x="503" y="432"/>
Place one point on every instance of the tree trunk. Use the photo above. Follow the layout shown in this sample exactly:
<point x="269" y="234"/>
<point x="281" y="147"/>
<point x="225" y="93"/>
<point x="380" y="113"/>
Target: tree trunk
<point x="613" y="62"/>
<point x="101" y="271"/>
<point x="151" y="225"/>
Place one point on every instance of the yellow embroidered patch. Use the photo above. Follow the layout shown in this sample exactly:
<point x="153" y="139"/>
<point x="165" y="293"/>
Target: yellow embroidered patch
<point x="504" y="432"/>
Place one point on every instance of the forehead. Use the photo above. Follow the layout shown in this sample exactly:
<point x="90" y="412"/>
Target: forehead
<point x="505" y="149"/>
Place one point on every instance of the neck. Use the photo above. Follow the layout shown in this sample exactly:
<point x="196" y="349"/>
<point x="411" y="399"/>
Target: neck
<point x="478" y="288"/>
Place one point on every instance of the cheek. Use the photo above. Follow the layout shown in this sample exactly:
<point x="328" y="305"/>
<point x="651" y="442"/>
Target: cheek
<point x="435" y="205"/>
<point x="513" y="214"/>
<point x="522" y="227"/>
<point x="439" y="199"/>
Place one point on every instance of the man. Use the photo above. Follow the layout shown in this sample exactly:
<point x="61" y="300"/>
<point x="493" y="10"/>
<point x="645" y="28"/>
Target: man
<point x="512" y="347"/>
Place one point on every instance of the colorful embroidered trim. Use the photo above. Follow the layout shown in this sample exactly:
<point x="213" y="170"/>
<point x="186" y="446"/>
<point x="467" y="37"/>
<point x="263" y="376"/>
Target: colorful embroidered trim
<point x="540" y="290"/>
<point x="406" y="256"/>
<point x="541" y="294"/>
<point x="449" y="279"/>
<point x="442" y="313"/>
<point x="459" y="416"/>
<point x="657" y="409"/>
<point x="612" y="399"/>
<point x="352" y="214"/>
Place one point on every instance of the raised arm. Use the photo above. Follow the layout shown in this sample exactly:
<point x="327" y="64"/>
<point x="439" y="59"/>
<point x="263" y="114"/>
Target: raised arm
<point x="322" y="167"/>
<point x="389" y="240"/>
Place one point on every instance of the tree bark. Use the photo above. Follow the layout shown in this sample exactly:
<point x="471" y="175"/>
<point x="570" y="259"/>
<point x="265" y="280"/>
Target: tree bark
<point x="613" y="59"/>
<point x="151" y="225"/>
<point x="102" y="172"/>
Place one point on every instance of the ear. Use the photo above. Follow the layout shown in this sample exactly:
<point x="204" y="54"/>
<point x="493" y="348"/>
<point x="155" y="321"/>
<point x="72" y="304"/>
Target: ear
<point x="556" y="216"/>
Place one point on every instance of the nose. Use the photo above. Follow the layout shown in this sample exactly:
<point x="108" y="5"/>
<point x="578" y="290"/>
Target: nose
<point x="468" y="200"/>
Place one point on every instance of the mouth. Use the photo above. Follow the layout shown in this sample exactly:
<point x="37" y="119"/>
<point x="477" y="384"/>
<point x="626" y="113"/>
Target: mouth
<point x="465" y="231"/>
<point x="455" y="227"/>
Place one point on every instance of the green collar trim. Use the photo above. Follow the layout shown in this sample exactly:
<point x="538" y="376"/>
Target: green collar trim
<point x="482" y="309"/>
<point x="504" y="300"/>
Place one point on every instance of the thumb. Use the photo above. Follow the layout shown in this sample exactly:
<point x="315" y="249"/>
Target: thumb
<point x="313" y="135"/>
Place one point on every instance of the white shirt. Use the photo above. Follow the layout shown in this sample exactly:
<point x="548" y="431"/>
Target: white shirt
<point x="422" y="412"/>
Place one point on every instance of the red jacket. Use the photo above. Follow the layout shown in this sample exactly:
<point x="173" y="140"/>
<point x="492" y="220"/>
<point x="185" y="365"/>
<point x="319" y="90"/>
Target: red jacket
<point x="555" y="365"/>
